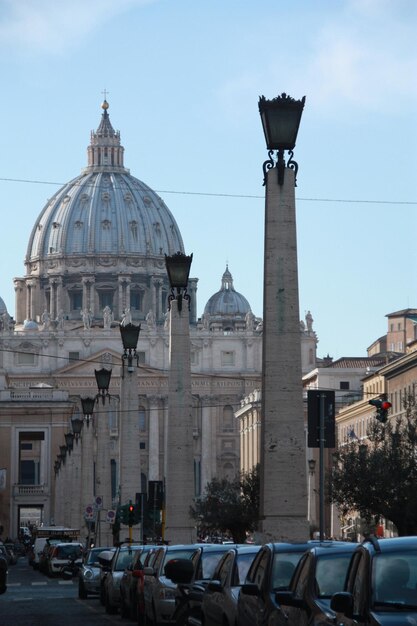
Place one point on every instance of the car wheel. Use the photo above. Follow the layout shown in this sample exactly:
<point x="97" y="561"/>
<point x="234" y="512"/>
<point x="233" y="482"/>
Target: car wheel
<point x="81" y="590"/>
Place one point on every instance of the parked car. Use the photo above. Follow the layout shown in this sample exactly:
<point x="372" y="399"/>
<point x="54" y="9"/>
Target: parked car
<point x="89" y="576"/>
<point x="219" y="606"/>
<point x="271" y="570"/>
<point x="320" y="573"/>
<point x="131" y="584"/>
<point x="105" y="560"/>
<point x="60" y="554"/>
<point x="122" y="558"/>
<point x="192" y="579"/>
<point x="381" y="585"/>
<point x="159" y="590"/>
<point x="3" y="574"/>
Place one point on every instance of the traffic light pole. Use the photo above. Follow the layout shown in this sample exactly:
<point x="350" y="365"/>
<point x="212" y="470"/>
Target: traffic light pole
<point x="321" y="464"/>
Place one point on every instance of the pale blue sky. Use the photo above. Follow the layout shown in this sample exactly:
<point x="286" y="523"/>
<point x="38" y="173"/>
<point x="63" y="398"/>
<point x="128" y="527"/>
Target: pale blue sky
<point x="184" y="77"/>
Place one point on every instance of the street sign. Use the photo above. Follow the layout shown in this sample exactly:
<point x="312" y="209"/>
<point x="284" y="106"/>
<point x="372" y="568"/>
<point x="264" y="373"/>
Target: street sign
<point x="111" y="516"/>
<point x="89" y="513"/>
<point x="98" y="502"/>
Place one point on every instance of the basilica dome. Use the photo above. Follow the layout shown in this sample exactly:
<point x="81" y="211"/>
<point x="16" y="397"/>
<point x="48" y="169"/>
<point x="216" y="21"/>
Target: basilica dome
<point x="99" y="242"/>
<point x="227" y="301"/>
<point x="105" y="210"/>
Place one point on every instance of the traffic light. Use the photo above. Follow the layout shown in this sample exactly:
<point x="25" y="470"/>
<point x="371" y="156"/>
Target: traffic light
<point x="122" y="513"/>
<point x="131" y="515"/>
<point x="382" y="407"/>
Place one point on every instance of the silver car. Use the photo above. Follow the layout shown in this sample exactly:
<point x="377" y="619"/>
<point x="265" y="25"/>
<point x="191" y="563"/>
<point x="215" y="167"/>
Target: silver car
<point x="89" y="577"/>
<point x="122" y="559"/>
<point x="159" y="591"/>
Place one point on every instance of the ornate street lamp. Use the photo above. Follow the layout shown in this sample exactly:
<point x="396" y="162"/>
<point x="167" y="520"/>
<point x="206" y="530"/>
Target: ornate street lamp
<point x="77" y="424"/>
<point x="178" y="267"/>
<point x="103" y="377"/>
<point x="88" y="408"/>
<point x="63" y="453"/>
<point x="281" y="118"/>
<point x="130" y="336"/>
<point x="69" y="440"/>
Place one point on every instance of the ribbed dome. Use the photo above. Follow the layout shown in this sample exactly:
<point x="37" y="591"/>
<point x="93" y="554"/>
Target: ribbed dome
<point x="105" y="210"/>
<point x="227" y="301"/>
<point x="3" y="308"/>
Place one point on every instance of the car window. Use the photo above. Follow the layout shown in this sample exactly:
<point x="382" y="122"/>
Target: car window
<point x="357" y="573"/>
<point x="302" y="576"/>
<point x="223" y="569"/>
<point x="69" y="550"/>
<point x="283" y="567"/>
<point x="243" y="562"/>
<point x="331" y="570"/>
<point x="209" y="562"/>
<point x="124" y="559"/>
<point x="177" y="554"/>
<point x="394" y="577"/>
<point x="259" y="570"/>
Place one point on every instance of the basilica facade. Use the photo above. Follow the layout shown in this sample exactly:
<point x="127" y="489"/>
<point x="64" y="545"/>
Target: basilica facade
<point x="96" y="258"/>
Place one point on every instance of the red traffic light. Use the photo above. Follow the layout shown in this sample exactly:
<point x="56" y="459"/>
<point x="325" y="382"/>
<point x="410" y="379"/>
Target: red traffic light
<point x="386" y="405"/>
<point x="131" y="508"/>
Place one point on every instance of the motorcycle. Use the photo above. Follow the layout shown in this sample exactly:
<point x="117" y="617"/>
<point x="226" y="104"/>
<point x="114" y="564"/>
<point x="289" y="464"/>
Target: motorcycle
<point x="70" y="569"/>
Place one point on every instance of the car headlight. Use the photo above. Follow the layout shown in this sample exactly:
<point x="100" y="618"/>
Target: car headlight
<point x="88" y="574"/>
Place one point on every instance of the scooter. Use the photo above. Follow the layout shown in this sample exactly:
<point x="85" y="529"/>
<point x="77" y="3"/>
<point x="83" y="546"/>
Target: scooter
<point x="70" y="569"/>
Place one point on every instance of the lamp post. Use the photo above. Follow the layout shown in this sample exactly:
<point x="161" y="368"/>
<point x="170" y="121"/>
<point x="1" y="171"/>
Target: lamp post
<point x="129" y="434"/>
<point x="283" y="507"/>
<point x="311" y="514"/>
<point x="179" y="469"/>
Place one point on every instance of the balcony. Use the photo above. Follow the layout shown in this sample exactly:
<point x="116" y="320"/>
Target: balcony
<point x="30" y="491"/>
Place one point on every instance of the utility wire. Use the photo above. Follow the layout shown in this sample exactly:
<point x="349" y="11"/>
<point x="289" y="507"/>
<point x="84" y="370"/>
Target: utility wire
<point x="214" y="194"/>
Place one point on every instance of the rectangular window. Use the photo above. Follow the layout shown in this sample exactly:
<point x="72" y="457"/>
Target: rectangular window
<point x="106" y="299"/>
<point x="136" y="298"/>
<point x="25" y="358"/>
<point x="142" y="445"/>
<point x="76" y="298"/>
<point x="142" y="357"/>
<point x="73" y="356"/>
<point x="344" y="384"/>
<point x="228" y="357"/>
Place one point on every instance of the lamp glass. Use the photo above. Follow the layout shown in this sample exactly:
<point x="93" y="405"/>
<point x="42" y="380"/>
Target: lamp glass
<point x="129" y="335"/>
<point x="280" y="120"/>
<point x="178" y="267"/>
<point x="88" y="406"/>
<point x="103" y="378"/>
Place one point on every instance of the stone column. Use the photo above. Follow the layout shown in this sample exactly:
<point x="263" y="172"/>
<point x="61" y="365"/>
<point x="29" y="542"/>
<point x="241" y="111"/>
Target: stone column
<point x="153" y="449"/>
<point x="87" y="467"/>
<point x="129" y="454"/>
<point x="103" y="472"/>
<point x="283" y="467"/>
<point x="206" y="442"/>
<point x="179" y="478"/>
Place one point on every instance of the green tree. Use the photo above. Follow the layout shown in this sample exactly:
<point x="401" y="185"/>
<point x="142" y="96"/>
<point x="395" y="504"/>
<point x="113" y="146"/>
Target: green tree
<point x="378" y="478"/>
<point x="230" y="506"/>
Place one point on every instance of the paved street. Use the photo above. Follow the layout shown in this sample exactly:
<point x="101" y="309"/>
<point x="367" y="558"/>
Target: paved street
<point x="32" y="599"/>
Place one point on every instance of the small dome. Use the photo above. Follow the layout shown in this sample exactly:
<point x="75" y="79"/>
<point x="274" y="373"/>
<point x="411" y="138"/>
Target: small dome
<point x="227" y="302"/>
<point x="30" y="325"/>
<point x="3" y="308"/>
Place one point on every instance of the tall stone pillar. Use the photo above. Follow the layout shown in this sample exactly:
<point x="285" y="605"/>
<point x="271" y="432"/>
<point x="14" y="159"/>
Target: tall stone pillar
<point x="283" y="467"/>
<point x="206" y="442"/>
<point x="129" y="453"/>
<point x="87" y="466"/>
<point x="103" y="471"/>
<point x="153" y="438"/>
<point x="179" y="478"/>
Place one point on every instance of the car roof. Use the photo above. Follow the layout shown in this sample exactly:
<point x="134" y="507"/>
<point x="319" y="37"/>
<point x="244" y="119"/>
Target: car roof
<point x="336" y="546"/>
<point x="389" y="544"/>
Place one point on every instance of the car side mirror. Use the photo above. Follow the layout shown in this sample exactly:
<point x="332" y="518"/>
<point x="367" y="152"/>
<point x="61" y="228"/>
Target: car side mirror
<point x="342" y="602"/>
<point x="287" y="599"/>
<point x="250" y="589"/>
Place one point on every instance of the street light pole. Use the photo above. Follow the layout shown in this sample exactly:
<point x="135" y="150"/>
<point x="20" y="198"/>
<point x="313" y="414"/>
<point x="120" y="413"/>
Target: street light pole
<point x="283" y="457"/>
<point x="179" y="470"/>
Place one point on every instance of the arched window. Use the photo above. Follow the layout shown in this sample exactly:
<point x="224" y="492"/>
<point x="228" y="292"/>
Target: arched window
<point x="228" y="418"/>
<point x="142" y="419"/>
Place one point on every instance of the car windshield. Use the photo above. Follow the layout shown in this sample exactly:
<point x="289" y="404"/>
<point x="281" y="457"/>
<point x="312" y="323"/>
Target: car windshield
<point x="68" y="550"/>
<point x="124" y="559"/>
<point x="283" y="566"/>
<point x="92" y="558"/>
<point x="331" y="570"/>
<point x="185" y="553"/>
<point x="394" y="577"/>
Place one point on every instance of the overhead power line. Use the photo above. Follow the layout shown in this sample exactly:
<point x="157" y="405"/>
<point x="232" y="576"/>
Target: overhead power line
<point x="222" y="195"/>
